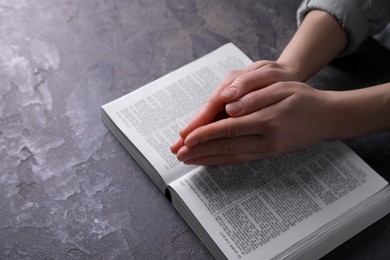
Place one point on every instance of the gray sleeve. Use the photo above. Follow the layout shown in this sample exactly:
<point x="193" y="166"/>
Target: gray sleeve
<point x="359" y="18"/>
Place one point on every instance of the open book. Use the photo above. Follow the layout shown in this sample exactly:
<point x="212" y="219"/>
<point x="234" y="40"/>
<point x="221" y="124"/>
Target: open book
<point x="300" y="205"/>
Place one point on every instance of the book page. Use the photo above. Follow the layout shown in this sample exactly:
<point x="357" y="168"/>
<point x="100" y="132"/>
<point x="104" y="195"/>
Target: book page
<point x="262" y="208"/>
<point x="152" y="116"/>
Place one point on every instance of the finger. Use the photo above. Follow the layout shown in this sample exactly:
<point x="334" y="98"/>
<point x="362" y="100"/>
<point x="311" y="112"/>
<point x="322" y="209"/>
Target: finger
<point x="259" y="99"/>
<point x="253" y="80"/>
<point x="225" y="128"/>
<point x="177" y="145"/>
<point x="224" y="146"/>
<point x="211" y="108"/>
<point x="225" y="159"/>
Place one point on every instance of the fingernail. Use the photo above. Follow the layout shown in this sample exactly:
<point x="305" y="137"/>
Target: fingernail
<point x="191" y="143"/>
<point x="182" y="154"/>
<point x="173" y="149"/>
<point x="229" y="92"/>
<point x="234" y="108"/>
<point x="181" y="133"/>
<point x="176" y="144"/>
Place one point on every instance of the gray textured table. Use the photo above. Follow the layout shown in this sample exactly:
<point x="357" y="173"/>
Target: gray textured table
<point x="68" y="189"/>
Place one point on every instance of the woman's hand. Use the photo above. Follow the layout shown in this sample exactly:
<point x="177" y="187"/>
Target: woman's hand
<point x="269" y="116"/>
<point x="236" y="84"/>
<point x="272" y="120"/>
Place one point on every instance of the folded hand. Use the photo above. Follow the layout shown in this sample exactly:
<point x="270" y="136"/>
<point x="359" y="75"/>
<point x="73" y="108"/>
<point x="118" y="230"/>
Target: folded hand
<point x="236" y="84"/>
<point x="272" y="120"/>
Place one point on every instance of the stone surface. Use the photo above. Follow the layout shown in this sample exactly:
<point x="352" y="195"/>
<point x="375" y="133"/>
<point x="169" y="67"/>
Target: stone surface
<point x="68" y="189"/>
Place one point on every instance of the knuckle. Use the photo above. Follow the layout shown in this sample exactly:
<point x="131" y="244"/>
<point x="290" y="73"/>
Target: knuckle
<point x="243" y="79"/>
<point x="259" y="64"/>
<point x="256" y="65"/>
<point x="283" y="85"/>
<point x="273" y="74"/>
<point x="231" y="75"/>
<point x="229" y="148"/>
<point x="233" y="159"/>
<point x="272" y="65"/>
<point x="274" y="149"/>
<point x="251" y="100"/>
<point x="271" y="128"/>
<point x="208" y="100"/>
<point x="211" y="102"/>
<point x="231" y="128"/>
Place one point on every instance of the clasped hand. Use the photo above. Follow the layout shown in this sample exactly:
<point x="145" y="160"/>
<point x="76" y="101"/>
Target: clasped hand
<point x="268" y="113"/>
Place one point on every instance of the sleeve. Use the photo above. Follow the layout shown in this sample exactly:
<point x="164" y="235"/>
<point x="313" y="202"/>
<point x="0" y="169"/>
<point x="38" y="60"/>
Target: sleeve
<point x="360" y="18"/>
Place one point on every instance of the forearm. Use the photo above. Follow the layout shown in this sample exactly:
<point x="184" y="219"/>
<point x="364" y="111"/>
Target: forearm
<point x="317" y="41"/>
<point x="359" y="112"/>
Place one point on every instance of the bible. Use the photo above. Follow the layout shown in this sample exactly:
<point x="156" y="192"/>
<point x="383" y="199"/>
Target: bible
<point x="300" y="205"/>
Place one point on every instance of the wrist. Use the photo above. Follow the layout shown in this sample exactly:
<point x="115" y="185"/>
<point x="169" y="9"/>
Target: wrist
<point x="358" y="112"/>
<point x="318" y="40"/>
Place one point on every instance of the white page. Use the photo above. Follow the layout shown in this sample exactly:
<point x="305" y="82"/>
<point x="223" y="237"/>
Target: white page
<point x="248" y="196"/>
<point x="152" y="115"/>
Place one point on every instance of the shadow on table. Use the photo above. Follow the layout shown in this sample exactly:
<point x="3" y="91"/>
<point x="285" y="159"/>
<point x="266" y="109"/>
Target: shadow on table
<point x="370" y="63"/>
<point x="368" y="66"/>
